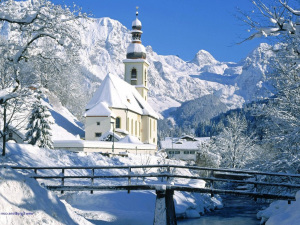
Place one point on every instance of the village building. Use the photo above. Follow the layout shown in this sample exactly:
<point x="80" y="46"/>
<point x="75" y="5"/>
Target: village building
<point x="119" y="107"/>
<point x="183" y="148"/>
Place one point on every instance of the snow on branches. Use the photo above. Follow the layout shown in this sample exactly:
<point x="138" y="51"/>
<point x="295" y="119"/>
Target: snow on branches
<point x="38" y="128"/>
<point x="279" y="19"/>
<point x="282" y="111"/>
<point x="34" y="20"/>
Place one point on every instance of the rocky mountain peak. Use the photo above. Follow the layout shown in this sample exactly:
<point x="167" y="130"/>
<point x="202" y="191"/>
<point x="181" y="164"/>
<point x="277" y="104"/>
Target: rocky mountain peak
<point x="203" y="58"/>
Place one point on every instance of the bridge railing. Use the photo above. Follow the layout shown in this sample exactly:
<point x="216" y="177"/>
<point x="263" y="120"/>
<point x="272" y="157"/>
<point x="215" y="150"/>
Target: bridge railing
<point x="165" y="173"/>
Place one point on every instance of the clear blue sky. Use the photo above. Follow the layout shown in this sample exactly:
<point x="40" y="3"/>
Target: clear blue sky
<point x="182" y="27"/>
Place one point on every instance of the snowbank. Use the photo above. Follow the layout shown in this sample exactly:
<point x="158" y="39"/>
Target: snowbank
<point x="280" y="212"/>
<point x="24" y="201"/>
<point x="130" y="139"/>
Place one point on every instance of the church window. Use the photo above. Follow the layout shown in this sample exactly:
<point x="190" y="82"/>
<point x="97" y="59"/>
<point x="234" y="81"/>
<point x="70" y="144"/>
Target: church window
<point x="118" y="122"/>
<point x="150" y="127"/>
<point x="133" y="77"/>
<point x="127" y="125"/>
<point x="98" y="123"/>
<point x="98" y="134"/>
<point x="133" y="73"/>
<point x="145" y="78"/>
<point x="139" y="128"/>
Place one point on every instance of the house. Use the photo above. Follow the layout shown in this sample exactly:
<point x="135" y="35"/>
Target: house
<point x="183" y="148"/>
<point x="120" y="106"/>
<point x="14" y="135"/>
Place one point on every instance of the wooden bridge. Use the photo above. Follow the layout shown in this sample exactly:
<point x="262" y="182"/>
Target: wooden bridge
<point x="160" y="178"/>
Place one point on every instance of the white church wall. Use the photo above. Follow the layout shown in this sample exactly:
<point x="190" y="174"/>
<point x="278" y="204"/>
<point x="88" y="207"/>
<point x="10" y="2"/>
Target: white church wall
<point x="95" y="126"/>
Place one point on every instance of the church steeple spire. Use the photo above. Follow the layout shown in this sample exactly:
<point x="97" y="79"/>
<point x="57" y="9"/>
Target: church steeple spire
<point x="136" y="65"/>
<point x="136" y="50"/>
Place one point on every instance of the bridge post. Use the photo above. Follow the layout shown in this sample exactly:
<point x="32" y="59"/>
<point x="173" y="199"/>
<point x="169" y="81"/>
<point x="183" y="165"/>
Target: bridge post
<point x="164" y="208"/>
<point x="35" y="171"/>
<point x="212" y="184"/>
<point x="92" y="179"/>
<point x="62" y="179"/>
<point x="129" y="178"/>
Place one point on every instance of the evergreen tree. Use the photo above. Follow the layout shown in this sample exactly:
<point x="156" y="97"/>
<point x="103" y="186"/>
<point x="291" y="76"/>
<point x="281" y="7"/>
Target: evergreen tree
<point x="38" y="129"/>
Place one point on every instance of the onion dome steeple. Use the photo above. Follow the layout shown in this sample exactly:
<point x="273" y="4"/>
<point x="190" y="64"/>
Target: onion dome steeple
<point x="135" y="49"/>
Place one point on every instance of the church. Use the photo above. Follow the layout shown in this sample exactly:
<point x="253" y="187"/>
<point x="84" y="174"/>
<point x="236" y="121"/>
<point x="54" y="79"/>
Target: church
<point x="120" y="106"/>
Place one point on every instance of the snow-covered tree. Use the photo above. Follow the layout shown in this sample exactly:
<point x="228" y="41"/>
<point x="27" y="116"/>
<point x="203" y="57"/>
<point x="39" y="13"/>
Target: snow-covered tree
<point x="38" y="128"/>
<point x="235" y="146"/>
<point x="38" y="42"/>
<point x="282" y="111"/>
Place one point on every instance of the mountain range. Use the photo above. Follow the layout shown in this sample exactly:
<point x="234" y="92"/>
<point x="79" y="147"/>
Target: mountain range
<point x="172" y="80"/>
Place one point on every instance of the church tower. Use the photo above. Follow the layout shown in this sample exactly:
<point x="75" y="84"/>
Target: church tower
<point x="136" y="65"/>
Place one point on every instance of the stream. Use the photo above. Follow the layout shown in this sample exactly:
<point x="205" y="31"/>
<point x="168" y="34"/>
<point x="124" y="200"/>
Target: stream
<point x="236" y="211"/>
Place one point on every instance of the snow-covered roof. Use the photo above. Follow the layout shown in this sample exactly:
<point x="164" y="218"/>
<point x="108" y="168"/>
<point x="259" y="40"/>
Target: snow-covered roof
<point x="130" y="139"/>
<point x="176" y="143"/>
<point x="106" y="134"/>
<point x="136" y="23"/>
<point x="136" y="47"/>
<point x="101" y="107"/>
<point x="116" y="93"/>
<point x="135" y="60"/>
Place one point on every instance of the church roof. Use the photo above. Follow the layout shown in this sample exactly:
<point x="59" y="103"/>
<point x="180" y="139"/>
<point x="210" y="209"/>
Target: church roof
<point x="136" y="47"/>
<point x="116" y="93"/>
<point x="136" y="23"/>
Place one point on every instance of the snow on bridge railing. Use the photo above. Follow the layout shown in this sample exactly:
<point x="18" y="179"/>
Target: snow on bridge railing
<point x="170" y="172"/>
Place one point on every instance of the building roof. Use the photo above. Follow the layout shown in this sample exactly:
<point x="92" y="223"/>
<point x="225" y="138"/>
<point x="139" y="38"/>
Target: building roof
<point x="117" y="93"/>
<point x="136" y="47"/>
<point x="182" y="144"/>
<point x="136" y="23"/>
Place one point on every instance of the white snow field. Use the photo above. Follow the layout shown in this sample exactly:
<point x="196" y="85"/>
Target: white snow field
<point x="280" y="213"/>
<point x="24" y="201"/>
<point x="22" y="194"/>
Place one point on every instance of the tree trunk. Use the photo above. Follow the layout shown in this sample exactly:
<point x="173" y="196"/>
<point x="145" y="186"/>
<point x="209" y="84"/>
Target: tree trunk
<point x="4" y="130"/>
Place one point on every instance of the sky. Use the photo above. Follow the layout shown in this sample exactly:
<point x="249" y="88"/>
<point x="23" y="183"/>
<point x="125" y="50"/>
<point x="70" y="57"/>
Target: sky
<point x="182" y="27"/>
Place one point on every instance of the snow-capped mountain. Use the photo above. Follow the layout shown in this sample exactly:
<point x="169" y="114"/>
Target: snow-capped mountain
<point x="171" y="79"/>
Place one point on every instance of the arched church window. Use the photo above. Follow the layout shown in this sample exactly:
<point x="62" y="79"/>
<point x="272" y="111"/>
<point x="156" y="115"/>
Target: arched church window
<point x="145" y="78"/>
<point x="133" y="73"/>
<point x="135" y="128"/>
<point x="127" y="125"/>
<point x="118" y="122"/>
<point x="133" y="77"/>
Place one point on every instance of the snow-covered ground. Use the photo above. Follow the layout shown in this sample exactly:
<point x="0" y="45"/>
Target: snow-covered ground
<point x="280" y="212"/>
<point x="114" y="207"/>
<point x="24" y="201"/>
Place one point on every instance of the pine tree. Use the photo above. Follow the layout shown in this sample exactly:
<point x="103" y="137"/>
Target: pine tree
<point x="38" y="129"/>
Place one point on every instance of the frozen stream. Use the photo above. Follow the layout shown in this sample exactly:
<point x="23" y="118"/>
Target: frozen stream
<point x="236" y="211"/>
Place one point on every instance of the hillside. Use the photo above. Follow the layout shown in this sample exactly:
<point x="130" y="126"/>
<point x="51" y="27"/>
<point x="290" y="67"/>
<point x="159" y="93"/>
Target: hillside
<point x="191" y="113"/>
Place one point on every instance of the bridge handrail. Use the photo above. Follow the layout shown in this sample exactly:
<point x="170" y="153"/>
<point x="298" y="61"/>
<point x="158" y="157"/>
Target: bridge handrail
<point x="170" y="187"/>
<point x="167" y="176"/>
<point x="160" y="166"/>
